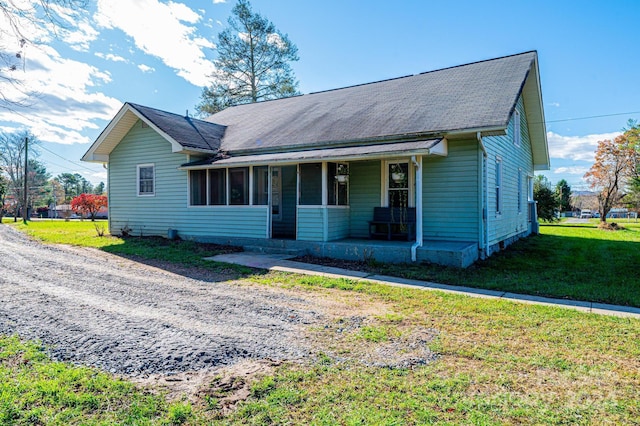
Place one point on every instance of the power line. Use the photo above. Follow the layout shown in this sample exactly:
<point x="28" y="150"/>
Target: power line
<point x="66" y="159"/>
<point x="589" y="117"/>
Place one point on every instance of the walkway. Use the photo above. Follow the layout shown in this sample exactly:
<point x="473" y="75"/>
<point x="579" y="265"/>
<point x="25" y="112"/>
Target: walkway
<point x="276" y="262"/>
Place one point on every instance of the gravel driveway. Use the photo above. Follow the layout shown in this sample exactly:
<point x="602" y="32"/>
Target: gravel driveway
<point x="98" y="309"/>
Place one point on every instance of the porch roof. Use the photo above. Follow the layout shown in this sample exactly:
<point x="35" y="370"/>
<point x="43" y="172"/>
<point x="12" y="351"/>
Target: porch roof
<point x="437" y="146"/>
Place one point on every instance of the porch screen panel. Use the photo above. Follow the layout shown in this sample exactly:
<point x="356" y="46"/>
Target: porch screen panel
<point x="239" y="186"/>
<point x="398" y="184"/>
<point x="311" y="184"/>
<point x="260" y="185"/>
<point x="337" y="191"/>
<point x="217" y="187"/>
<point x="198" y="187"/>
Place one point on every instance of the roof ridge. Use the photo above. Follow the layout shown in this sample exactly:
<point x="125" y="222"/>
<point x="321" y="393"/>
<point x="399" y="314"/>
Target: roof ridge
<point x="188" y="117"/>
<point x="480" y="62"/>
<point x="386" y="79"/>
<point x="361" y="84"/>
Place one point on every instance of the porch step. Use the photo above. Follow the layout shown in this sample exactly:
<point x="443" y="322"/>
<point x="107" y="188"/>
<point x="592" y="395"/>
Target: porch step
<point x="293" y="252"/>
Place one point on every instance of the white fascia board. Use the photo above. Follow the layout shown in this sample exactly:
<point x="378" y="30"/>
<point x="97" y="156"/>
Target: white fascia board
<point x="105" y="133"/>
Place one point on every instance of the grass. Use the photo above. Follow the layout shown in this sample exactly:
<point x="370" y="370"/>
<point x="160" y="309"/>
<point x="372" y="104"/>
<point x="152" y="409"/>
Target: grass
<point x="498" y="362"/>
<point x="575" y="261"/>
<point x="35" y="390"/>
<point x="84" y="234"/>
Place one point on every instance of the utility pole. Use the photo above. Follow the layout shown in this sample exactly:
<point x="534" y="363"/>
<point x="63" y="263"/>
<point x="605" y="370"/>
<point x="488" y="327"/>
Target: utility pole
<point x="25" y="213"/>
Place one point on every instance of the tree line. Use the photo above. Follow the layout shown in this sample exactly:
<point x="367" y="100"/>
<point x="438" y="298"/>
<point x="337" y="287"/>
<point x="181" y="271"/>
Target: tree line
<point x="43" y="190"/>
<point x="614" y="179"/>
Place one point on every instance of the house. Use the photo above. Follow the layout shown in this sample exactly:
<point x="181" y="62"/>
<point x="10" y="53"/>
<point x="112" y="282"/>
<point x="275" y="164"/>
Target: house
<point x="442" y="163"/>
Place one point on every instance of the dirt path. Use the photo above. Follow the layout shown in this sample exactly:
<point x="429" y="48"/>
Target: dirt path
<point x="124" y="317"/>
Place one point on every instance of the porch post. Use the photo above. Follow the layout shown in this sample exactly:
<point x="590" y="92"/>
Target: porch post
<point x="325" y="201"/>
<point x="418" y="166"/>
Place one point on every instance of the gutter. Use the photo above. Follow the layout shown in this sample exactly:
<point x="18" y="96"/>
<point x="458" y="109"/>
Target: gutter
<point x="419" y="237"/>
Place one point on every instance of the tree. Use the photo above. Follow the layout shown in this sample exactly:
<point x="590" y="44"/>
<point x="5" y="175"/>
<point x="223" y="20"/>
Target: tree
<point x="17" y="20"/>
<point x="563" y="194"/>
<point x="12" y="151"/>
<point x="4" y="187"/>
<point x="73" y="184"/>
<point x="632" y="134"/>
<point x="546" y="199"/>
<point x="88" y="204"/>
<point x="252" y="63"/>
<point x="608" y="175"/>
<point x="99" y="189"/>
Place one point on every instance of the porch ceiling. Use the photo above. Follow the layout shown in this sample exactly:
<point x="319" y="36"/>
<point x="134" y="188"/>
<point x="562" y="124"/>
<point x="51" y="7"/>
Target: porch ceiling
<point x="436" y="146"/>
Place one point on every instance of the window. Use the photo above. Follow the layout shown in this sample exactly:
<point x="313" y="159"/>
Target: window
<point x="519" y="190"/>
<point x="311" y="184"/>
<point x="217" y="187"/>
<point x="498" y="185"/>
<point x="146" y="178"/>
<point x="239" y="186"/>
<point x="398" y="184"/>
<point x="260" y="186"/>
<point x="516" y="128"/>
<point x="337" y="187"/>
<point x="198" y="187"/>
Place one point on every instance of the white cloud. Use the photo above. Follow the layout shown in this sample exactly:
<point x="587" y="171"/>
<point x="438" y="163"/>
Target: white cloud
<point x="159" y="30"/>
<point x="146" y="68"/>
<point x="219" y="1"/>
<point x="555" y="104"/>
<point x="110" y="57"/>
<point x="572" y="170"/>
<point x="63" y="101"/>
<point x="100" y="176"/>
<point x="576" y="148"/>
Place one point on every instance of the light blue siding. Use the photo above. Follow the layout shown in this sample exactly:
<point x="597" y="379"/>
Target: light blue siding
<point x="154" y="215"/>
<point x="364" y="195"/>
<point x="311" y="223"/>
<point x="338" y="226"/>
<point x="450" y="193"/>
<point x="510" y="222"/>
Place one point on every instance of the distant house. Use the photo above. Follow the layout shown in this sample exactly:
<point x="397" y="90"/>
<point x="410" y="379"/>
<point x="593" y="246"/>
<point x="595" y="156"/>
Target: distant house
<point x="444" y="159"/>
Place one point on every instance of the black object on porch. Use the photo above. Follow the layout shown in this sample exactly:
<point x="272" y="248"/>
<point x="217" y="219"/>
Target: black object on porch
<point x="393" y="223"/>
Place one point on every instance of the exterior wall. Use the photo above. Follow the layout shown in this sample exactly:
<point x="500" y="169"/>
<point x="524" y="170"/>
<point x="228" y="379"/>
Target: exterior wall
<point x="312" y="219"/>
<point x="339" y="221"/>
<point x="311" y="223"/>
<point x="510" y="223"/>
<point x="450" y="189"/>
<point x="155" y="215"/>
<point x="364" y="195"/>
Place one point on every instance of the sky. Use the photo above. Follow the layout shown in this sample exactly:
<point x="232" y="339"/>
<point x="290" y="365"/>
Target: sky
<point x="159" y="54"/>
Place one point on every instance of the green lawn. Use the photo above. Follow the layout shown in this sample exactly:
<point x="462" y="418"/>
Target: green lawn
<point x="574" y="261"/>
<point x="498" y="362"/>
<point x="37" y="391"/>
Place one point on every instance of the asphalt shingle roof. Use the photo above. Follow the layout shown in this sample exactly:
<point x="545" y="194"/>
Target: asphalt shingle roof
<point x="188" y="132"/>
<point x="473" y="96"/>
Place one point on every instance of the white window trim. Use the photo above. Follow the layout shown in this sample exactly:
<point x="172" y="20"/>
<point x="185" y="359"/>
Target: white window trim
<point x="517" y="130"/>
<point x="153" y="169"/>
<point x="499" y="186"/>
<point x="520" y="191"/>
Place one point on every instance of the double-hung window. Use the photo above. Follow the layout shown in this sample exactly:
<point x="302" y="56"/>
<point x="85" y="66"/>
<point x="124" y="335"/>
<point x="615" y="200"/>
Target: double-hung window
<point x="146" y="179"/>
<point x="517" y="133"/>
<point x="498" y="186"/>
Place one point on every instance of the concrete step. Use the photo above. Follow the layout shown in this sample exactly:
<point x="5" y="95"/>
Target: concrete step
<point x="274" y="250"/>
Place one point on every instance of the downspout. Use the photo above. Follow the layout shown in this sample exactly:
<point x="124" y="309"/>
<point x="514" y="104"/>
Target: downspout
<point x="418" y="165"/>
<point x="484" y="201"/>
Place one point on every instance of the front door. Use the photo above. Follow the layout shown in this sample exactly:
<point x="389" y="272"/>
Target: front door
<point x="284" y="188"/>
